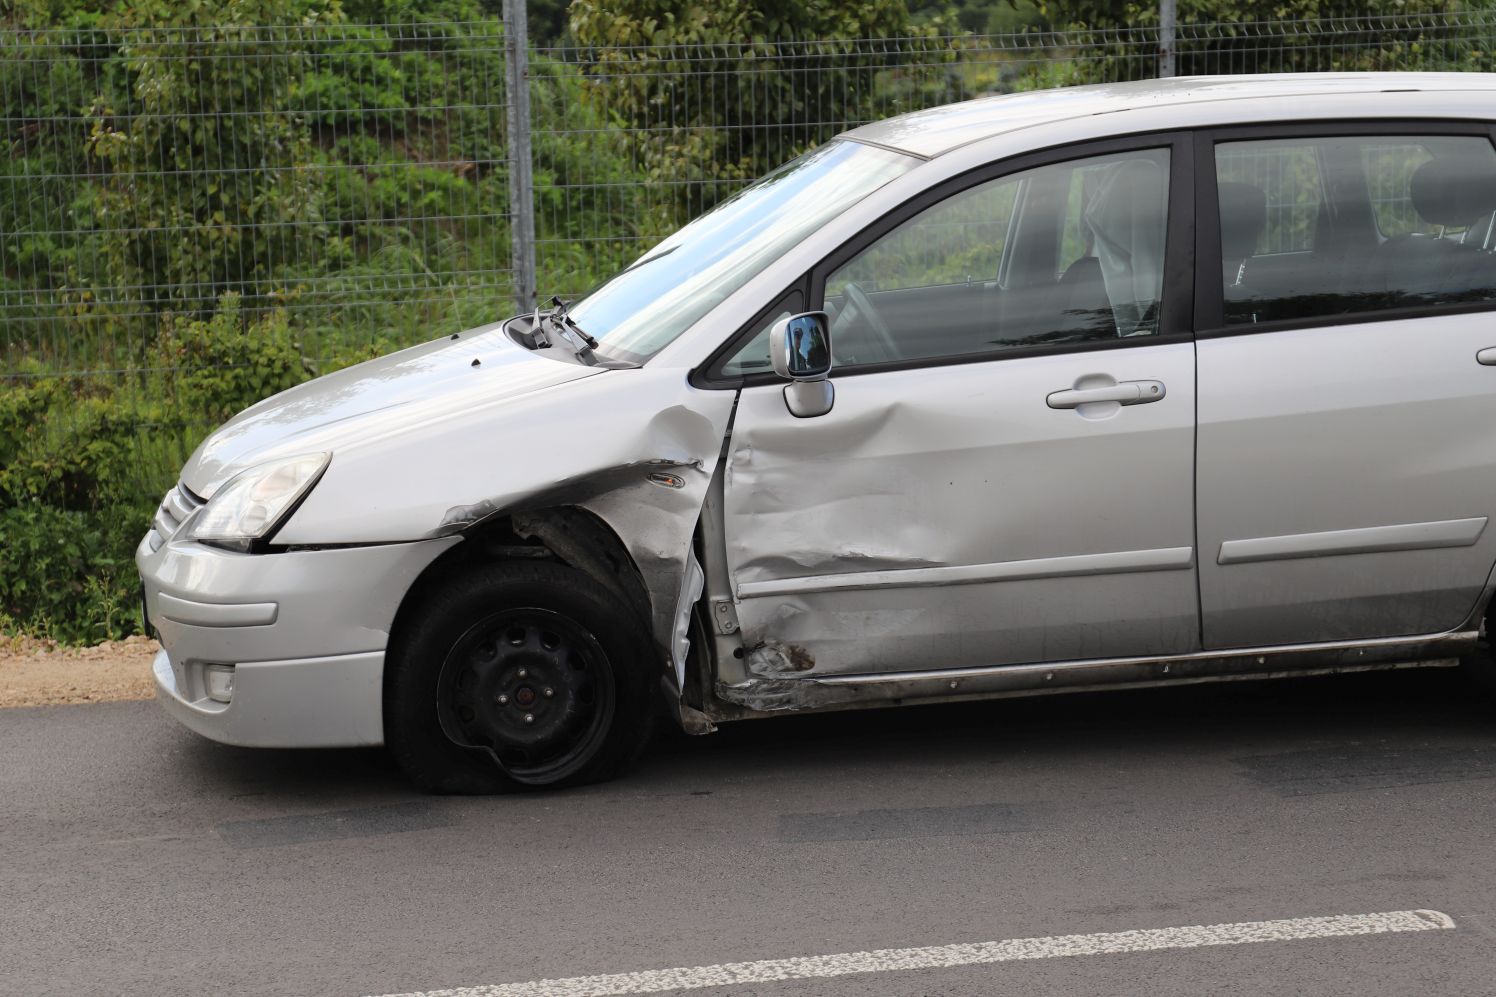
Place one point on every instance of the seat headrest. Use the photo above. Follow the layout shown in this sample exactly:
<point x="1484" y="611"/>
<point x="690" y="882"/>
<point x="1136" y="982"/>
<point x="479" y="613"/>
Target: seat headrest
<point x="1453" y="191"/>
<point x="1243" y="219"/>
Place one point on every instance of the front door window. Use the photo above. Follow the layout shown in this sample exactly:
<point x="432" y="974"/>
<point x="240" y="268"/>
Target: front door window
<point x="1066" y="253"/>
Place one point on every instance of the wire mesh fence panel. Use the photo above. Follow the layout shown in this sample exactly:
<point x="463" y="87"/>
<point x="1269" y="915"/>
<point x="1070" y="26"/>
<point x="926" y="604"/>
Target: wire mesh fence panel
<point x="1436" y="41"/>
<point x="695" y="122"/>
<point x="313" y="168"/>
<point x="192" y="218"/>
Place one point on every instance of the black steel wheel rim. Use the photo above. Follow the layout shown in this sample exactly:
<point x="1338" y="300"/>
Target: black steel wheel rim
<point x="532" y="688"/>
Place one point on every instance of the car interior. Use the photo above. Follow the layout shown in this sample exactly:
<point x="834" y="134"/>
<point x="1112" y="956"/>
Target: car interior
<point x="1074" y="252"/>
<point x="1338" y="226"/>
<point x="1064" y="253"/>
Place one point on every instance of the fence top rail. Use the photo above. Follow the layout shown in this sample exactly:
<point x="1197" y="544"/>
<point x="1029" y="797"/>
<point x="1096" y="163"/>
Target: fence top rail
<point x="1059" y="38"/>
<point x="354" y="31"/>
<point x="320" y="32"/>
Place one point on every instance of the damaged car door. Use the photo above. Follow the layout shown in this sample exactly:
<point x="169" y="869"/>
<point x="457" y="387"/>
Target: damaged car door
<point x="1005" y="472"/>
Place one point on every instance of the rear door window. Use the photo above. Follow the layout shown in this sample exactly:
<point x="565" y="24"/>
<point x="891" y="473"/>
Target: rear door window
<point x="1340" y="225"/>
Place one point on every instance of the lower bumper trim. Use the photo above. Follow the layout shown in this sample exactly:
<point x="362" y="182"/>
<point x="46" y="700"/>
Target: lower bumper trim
<point x="331" y="702"/>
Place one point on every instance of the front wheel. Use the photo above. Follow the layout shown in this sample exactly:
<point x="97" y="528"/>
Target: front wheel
<point x="514" y="677"/>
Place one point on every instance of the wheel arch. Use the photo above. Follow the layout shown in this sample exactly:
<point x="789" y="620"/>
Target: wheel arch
<point x="568" y="535"/>
<point x="629" y="519"/>
<point x="1481" y="614"/>
<point x="584" y="540"/>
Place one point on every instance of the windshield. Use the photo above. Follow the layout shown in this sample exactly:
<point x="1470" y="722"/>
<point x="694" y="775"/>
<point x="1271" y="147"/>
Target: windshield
<point x="638" y="312"/>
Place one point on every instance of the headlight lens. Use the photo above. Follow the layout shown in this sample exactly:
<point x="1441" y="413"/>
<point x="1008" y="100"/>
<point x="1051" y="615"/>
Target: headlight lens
<point x="252" y="503"/>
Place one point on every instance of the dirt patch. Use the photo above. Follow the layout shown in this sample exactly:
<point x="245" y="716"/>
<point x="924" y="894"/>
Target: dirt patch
<point x="40" y="673"/>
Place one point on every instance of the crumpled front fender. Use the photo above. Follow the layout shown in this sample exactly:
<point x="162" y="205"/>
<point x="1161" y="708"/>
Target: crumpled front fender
<point x="637" y="448"/>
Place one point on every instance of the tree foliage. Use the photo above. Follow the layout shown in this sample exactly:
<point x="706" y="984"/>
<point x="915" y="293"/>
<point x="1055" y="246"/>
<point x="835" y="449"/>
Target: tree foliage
<point x="1234" y="45"/>
<point x="196" y="207"/>
<point x="720" y="91"/>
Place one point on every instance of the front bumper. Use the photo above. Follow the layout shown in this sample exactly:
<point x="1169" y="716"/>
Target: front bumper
<point x="304" y="630"/>
<point x="305" y="703"/>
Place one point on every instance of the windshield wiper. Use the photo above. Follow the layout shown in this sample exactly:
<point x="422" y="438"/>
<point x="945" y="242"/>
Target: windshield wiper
<point x="538" y="339"/>
<point x="647" y="261"/>
<point x="569" y="333"/>
<point x="564" y="328"/>
<point x="561" y="318"/>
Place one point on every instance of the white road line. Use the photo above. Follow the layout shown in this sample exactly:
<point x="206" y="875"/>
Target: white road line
<point x="971" y="954"/>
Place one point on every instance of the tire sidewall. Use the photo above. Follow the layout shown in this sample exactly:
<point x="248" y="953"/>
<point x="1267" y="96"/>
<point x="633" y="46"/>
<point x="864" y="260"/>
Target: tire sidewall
<point x="417" y="655"/>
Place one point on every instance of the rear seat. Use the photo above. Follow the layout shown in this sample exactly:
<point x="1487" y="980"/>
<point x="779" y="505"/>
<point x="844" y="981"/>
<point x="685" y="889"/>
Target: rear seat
<point x="1268" y="288"/>
<point x="1451" y="193"/>
<point x="1405" y="271"/>
<point x="1243" y="220"/>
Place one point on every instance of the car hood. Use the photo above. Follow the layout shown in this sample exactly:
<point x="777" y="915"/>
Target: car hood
<point x="393" y="394"/>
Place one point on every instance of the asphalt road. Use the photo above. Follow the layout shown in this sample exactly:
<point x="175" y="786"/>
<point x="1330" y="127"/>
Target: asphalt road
<point x="136" y="858"/>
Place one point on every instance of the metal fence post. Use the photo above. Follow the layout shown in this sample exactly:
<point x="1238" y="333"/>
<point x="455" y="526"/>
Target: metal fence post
<point x="521" y="172"/>
<point x="1167" y="19"/>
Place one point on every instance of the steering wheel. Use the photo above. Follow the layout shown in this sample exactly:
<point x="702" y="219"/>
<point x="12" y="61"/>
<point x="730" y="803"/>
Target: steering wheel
<point x="860" y="302"/>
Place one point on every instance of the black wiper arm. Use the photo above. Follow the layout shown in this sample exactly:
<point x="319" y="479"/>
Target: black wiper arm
<point x="563" y="328"/>
<point x="537" y="330"/>
<point x="560" y="316"/>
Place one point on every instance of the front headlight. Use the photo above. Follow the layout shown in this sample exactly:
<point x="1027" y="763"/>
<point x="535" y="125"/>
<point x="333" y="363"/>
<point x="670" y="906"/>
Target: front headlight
<point x="252" y="504"/>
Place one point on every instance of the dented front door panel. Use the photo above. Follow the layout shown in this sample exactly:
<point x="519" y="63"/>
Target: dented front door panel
<point x="950" y="517"/>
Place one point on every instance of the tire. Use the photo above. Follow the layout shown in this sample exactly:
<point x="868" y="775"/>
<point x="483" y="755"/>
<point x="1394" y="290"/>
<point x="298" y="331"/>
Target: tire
<point x="1479" y="667"/>
<point x="514" y="677"/>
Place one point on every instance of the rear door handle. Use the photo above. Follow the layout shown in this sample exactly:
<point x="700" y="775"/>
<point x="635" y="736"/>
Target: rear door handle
<point x="1487" y="356"/>
<point x="1125" y="392"/>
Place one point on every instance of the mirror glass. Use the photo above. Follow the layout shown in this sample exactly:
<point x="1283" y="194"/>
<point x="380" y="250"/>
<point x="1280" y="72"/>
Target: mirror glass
<point x="807" y="346"/>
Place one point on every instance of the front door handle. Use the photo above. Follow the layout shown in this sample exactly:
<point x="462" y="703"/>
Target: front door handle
<point x="1487" y="357"/>
<point x="1124" y="392"/>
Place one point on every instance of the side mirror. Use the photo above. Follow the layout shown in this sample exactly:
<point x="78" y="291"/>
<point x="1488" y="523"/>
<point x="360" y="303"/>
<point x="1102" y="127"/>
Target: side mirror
<point x="800" y="348"/>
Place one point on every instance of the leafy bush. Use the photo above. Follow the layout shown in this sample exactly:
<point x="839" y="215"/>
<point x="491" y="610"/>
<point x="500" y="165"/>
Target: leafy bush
<point x="84" y="460"/>
<point x="69" y="575"/>
<point x="761" y="107"/>
<point x="218" y="367"/>
<point x="70" y="510"/>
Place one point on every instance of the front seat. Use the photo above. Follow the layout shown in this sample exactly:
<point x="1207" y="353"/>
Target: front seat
<point x="1127" y="219"/>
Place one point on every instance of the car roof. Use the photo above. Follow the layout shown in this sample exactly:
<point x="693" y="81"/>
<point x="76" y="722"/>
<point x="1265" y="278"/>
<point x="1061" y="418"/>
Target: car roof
<point x="938" y="130"/>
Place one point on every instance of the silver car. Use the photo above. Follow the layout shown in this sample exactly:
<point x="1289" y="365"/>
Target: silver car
<point x="1139" y="384"/>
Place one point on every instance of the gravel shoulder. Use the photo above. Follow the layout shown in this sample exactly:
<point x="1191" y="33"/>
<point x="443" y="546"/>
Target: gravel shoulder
<point x="41" y="673"/>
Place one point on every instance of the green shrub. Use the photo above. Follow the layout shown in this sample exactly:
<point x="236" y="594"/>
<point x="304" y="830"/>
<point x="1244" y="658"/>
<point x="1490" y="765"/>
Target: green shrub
<point x="222" y="366"/>
<point x="85" y="459"/>
<point x="69" y="575"/>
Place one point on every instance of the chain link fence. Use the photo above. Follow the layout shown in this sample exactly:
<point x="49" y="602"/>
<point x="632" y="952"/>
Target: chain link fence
<point x="193" y="217"/>
<point x="319" y="169"/>
<point x="699" y="120"/>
